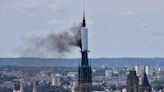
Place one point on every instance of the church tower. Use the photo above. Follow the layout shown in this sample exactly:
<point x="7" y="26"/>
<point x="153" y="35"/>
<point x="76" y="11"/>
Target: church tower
<point x="84" y="70"/>
<point x="145" y="86"/>
<point x="132" y="82"/>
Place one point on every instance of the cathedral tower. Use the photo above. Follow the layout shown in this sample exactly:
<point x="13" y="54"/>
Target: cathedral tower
<point x="132" y="82"/>
<point x="84" y="70"/>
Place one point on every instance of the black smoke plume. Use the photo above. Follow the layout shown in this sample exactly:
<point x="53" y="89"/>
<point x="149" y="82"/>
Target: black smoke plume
<point x="65" y="41"/>
<point x="55" y="43"/>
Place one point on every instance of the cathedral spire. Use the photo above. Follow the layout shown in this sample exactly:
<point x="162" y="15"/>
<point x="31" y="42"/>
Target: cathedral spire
<point x="145" y="81"/>
<point x="83" y="22"/>
<point x="145" y="86"/>
<point x="85" y="70"/>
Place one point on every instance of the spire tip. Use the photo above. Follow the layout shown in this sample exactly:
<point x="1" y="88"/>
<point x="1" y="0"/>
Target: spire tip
<point x="83" y="23"/>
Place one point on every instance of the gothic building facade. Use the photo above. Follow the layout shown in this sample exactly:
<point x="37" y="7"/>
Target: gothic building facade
<point x="133" y="83"/>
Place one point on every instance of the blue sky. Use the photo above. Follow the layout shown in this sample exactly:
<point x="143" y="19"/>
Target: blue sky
<point x="117" y="28"/>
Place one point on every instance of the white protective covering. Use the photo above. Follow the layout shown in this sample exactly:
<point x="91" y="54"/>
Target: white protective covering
<point x="84" y="38"/>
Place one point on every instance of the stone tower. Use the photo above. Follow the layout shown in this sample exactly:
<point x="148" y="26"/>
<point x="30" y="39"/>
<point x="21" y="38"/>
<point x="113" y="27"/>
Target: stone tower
<point x="132" y="82"/>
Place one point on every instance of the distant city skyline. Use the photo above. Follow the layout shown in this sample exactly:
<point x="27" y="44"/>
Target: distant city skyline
<point x="116" y="28"/>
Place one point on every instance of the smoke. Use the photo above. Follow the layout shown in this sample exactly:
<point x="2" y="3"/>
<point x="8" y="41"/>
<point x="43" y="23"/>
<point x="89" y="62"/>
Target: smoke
<point x="55" y="43"/>
<point x="63" y="42"/>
